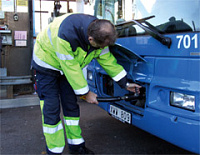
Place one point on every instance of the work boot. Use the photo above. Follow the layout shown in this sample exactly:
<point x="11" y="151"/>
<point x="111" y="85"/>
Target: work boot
<point x="81" y="150"/>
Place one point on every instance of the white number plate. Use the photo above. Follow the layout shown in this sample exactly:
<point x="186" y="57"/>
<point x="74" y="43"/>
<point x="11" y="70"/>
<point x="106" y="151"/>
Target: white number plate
<point x="120" y="114"/>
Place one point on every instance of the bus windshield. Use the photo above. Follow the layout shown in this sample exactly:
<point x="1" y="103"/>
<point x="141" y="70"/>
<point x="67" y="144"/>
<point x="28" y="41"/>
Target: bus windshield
<point x="170" y="16"/>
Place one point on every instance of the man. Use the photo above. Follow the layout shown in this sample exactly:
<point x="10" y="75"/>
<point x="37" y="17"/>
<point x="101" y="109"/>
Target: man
<point x="61" y="51"/>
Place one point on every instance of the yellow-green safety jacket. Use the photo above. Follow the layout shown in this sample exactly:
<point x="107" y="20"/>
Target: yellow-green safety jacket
<point x="63" y="46"/>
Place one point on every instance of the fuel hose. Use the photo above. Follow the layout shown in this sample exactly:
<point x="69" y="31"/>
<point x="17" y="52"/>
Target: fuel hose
<point x="118" y="98"/>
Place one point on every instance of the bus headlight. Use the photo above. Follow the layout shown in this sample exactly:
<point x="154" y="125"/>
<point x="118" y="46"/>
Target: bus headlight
<point x="89" y="75"/>
<point x="182" y="101"/>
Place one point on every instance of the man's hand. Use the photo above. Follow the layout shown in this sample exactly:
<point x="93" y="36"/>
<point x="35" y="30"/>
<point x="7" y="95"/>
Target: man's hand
<point x="91" y="97"/>
<point x="132" y="87"/>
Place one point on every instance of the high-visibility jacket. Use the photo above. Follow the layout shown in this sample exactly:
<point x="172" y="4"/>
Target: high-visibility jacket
<point x="64" y="46"/>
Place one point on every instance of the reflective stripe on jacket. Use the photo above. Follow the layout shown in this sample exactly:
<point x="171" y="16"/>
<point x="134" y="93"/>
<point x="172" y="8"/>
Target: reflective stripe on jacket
<point x="64" y="46"/>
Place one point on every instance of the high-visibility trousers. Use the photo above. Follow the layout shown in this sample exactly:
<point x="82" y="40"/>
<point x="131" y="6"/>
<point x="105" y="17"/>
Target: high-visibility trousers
<point x="54" y="91"/>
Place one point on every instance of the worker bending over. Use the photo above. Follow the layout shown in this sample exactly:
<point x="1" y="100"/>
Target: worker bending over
<point x="61" y="51"/>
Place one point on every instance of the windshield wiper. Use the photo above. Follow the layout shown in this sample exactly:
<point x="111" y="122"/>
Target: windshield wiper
<point x="150" y="29"/>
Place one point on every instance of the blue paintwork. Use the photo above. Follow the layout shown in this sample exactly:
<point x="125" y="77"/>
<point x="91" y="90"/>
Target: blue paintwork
<point x="154" y="48"/>
<point x="164" y="70"/>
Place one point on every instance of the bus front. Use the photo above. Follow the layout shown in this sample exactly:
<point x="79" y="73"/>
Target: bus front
<point x="158" y="45"/>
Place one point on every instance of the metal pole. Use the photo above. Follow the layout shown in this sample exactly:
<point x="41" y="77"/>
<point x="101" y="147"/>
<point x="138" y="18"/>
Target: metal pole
<point x="40" y="17"/>
<point x="67" y="6"/>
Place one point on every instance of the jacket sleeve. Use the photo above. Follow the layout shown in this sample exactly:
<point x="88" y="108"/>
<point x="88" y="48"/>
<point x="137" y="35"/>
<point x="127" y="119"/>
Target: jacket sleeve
<point x="112" y="68"/>
<point x="71" y="67"/>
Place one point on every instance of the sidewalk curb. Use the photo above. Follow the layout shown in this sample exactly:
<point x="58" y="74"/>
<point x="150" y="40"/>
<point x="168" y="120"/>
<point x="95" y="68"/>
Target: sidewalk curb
<point x="19" y="102"/>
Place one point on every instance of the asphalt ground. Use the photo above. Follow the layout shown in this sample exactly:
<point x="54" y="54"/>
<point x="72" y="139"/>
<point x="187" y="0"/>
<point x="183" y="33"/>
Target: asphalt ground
<point x="21" y="133"/>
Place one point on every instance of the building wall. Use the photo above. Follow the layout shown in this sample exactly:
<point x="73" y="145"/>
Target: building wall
<point x="17" y="59"/>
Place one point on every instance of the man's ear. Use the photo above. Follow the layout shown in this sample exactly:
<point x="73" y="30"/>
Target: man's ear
<point x="90" y="38"/>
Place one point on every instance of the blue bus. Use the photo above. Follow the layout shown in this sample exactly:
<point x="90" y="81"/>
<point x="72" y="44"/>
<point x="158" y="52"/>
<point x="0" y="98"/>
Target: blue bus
<point x="158" y="45"/>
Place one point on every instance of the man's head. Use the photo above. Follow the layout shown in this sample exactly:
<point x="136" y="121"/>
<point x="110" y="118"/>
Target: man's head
<point x="101" y="33"/>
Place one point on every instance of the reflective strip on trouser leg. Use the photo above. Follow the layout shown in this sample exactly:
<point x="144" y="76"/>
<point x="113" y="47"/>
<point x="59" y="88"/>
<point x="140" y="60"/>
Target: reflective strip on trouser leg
<point x="54" y="134"/>
<point x="73" y="130"/>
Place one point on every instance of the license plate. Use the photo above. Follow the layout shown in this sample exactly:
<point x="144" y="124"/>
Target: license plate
<point x="120" y="114"/>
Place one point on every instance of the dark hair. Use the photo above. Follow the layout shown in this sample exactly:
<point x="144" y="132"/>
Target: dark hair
<point x="103" y="31"/>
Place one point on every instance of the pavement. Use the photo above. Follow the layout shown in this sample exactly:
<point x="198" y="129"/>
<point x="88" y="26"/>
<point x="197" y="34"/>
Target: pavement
<point x="20" y="101"/>
<point x="21" y="131"/>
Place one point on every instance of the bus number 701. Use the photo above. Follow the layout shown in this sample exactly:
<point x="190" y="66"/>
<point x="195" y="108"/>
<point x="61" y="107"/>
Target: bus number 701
<point x="186" y="41"/>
